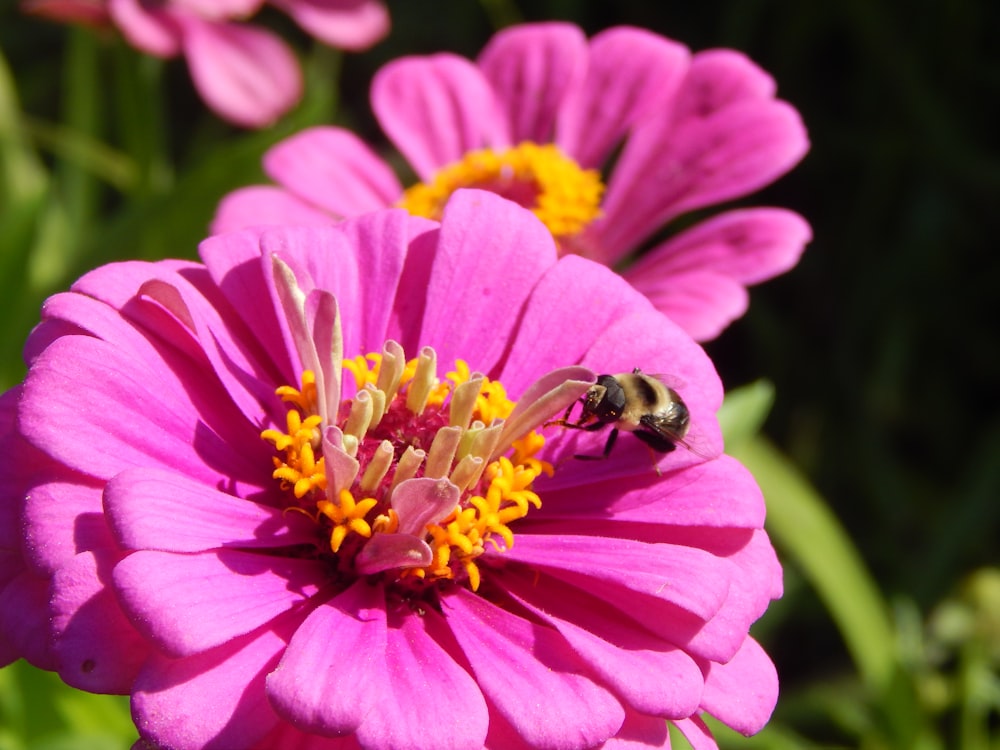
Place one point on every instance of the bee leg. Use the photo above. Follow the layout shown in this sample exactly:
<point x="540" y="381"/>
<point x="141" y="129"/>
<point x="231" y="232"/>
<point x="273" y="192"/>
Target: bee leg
<point x="612" y="437"/>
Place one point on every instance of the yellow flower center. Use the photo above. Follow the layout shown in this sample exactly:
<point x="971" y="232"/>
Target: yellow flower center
<point x="539" y="177"/>
<point x="404" y="423"/>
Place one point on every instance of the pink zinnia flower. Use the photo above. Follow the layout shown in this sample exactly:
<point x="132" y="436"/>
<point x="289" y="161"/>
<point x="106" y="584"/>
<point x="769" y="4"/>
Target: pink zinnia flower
<point x="540" y="118"/>
<point x="272" y="541"/>
<point x="245" y="73"/>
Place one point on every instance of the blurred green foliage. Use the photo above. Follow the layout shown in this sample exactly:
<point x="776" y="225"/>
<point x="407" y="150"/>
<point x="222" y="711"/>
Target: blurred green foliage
<point x="877" y="438"/>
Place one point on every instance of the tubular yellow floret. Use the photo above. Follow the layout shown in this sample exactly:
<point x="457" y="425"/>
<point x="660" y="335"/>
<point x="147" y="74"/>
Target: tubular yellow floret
<point x="565" y="197"/>
<point x="496" y="492"/>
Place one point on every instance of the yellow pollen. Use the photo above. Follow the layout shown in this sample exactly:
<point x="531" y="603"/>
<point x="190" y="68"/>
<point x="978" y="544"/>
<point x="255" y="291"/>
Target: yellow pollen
<point x="501" y="495"/>
<point x="347" y="515"/>
<point x="539" y="177"/>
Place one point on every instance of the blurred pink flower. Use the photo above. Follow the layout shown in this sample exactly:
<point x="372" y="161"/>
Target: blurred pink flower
<point x="545" y="117"/>
<point x="201" y="507"/>
<point x="246" y="74"/>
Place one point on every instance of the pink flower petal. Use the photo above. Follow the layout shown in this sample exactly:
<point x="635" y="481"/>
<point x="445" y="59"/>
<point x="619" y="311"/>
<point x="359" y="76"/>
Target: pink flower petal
<point x="88" y="403"/>
<point x="701" y="302"/>
<point x="649" y="674"/>
<point x="392" y="281"/>
<point x="552" y="332"/>
<point x="640" y="733"/>
<point x="430" y="702"/>
<point x="393" y="551"/>
<point x="287" y="737"/>
<point x="423" y="501"/>
<point x="218" y="10"/>
<point x="24" y="619"/>
<point x="652" y="575"/>
<point x="97" y="648"/>
<point x="150" y="29"/>
<point x="665" y="171"/>
<point x="333" y="169"/>
<point x="718" y="78"/>
<point x="49" y="542"/>
<point x="245" y="74"/>
<point x="750" y="245"/>
<point x="489" y="254"/>
<point x="182" y="315"/>
<point x="187" y="603"/>
<point x="697" y="733"/>
<point x="159" y="509"/>
<point x="170" y="696"/>
<point x="334" y="671"/>
<point x="347" y="24"/>
<point x="727" y="138"/>
<point x="532" y="68"/>
<point x="576" y="712"/>
<point x="755" y="579"/>
<point x="631" y="72"/>
<point x="714" y="495"/>
<point x="263" y="205"/>
<point x="237" y="266"/>
<point x="743" y="692"/>
<point x="435" y="109"/>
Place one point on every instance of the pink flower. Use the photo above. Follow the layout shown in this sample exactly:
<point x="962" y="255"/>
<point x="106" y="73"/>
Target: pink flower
<point x="246" y="74"/>
<point x="268" y="550"/>
<point x="539" y="118"/>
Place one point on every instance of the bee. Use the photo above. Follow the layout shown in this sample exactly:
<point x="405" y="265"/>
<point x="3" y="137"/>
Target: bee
<point x="635" y="402"/>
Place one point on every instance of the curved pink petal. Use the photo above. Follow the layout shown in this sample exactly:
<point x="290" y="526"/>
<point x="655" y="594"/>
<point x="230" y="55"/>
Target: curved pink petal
<point x="742" y="693"/>
<point x="177" y="303"/>
<point x="430" y="702"/>
<point x="436" y="109"/>
<point x="630" y="72"/>
<point x="188" y="603"/>
<point x="333" y="169"/>
<point x="489" y="254"/>
<point x="668" y="168"/>
<point x="640" y="732"/>
<point x="749" y="245"/>
<point x="24" y="619"/>
<point x="649" y="674"/>
<point x="681" y="577"/>
<point x="229" y="679"/>
<point x="390" y="278"/>
<point x="576" y="712"/>
<point x="714" y="495"/>
<point x="237" y="269"/>
<point x="702" y="302"/>
<point x="263" y="205"/>
<point x="97" y="648"/>
<point x="286" y="737"/>
<point x="334" y="671"/>
<point x="347" y="24"/>
<point x="87" y="402"/>
<point x="533" y="68"/>
<point x="719" y="78"/>
<point x="246" y="75"/>
<point x="552" y="332"/>
<point x="727" y="136"/>
<point x="218" y="10"/>
<point x="49" y="542"/>
<point x="150" y="29"/>
<point x="697" y="733"/>
<point x="150" y="508"/>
